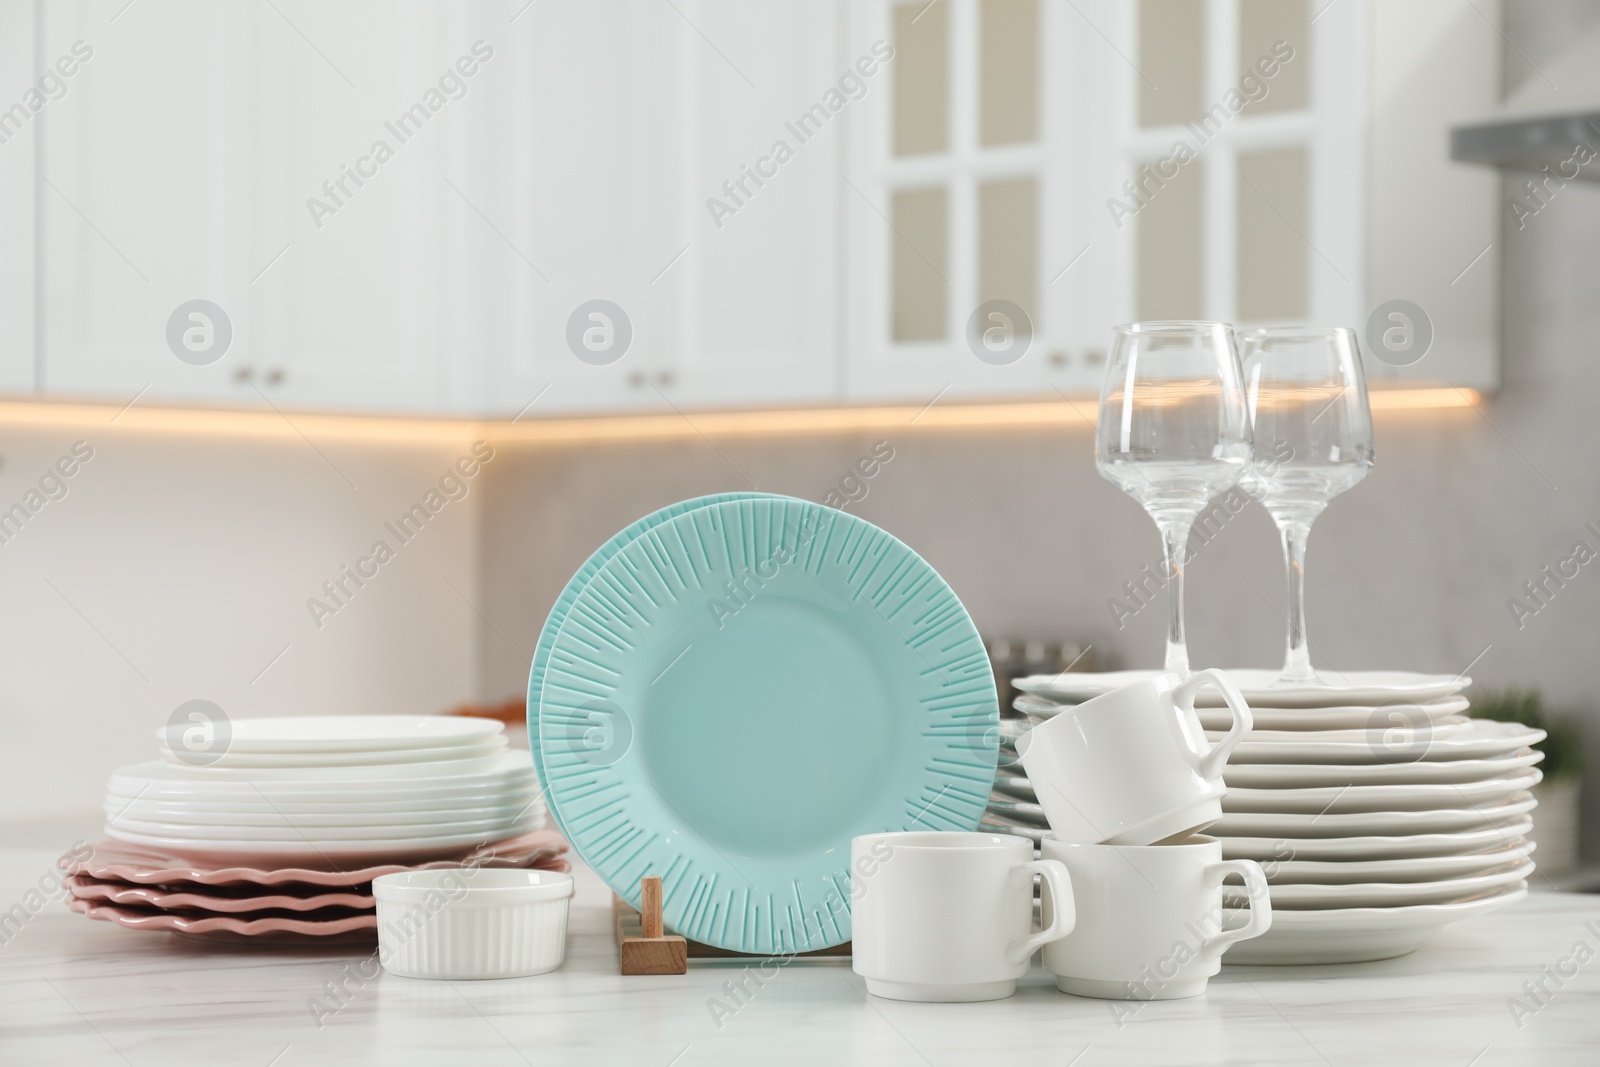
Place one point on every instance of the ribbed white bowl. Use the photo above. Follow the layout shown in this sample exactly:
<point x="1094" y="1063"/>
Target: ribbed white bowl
<point x="460" y="923"/>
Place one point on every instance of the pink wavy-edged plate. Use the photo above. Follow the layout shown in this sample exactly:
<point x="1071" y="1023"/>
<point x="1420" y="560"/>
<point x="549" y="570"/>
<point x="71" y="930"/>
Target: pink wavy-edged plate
<point x="119" y="861"/>
<point x="156" y="897"/>
<point x="226" y="925"/>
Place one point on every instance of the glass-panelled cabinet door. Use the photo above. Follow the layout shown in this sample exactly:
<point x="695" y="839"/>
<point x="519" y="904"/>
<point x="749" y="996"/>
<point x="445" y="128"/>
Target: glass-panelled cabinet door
<point x="1240" y="199"/>
<point x="961" y="191"/>
<point x="1072" y="166"/>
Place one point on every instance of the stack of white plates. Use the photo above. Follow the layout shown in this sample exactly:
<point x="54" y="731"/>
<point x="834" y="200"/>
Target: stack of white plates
<point x="327" y="792"/>
<point x="1379" y="813"/>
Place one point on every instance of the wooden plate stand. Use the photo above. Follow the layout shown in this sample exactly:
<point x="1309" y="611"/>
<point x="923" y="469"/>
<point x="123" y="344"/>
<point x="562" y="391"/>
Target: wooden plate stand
<point x="644" y="947"/>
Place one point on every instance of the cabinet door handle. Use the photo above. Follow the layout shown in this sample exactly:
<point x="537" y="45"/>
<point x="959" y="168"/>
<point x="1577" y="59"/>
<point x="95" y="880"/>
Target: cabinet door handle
<point x="243" y="373"/>
<point x="664" y="378"/>
<point x="275" y="376"/>
<point x="636" y="379"/>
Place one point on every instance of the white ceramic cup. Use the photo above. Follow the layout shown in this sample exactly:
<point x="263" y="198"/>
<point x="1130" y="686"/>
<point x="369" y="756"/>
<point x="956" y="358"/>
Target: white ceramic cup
<point x="1149" y="918"/>
<point x="1132" y="767"/>
<point x="948" y="916"/>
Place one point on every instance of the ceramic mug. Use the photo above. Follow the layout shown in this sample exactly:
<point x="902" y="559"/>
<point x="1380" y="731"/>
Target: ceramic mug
<point x="1149" y="918"/>
<point x="948" y="916"/>
<point x="1132" y="767"/>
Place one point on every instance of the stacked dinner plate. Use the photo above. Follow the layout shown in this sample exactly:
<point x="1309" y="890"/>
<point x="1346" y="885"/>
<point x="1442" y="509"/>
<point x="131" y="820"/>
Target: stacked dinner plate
<point x="1013" y="807"/>
<point x="1378" y="811"/>
<point x="327" y="791"/>
<point x="278" y="799"/>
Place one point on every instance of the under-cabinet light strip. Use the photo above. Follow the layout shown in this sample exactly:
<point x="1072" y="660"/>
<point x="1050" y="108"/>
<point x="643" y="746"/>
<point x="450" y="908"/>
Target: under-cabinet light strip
<point x="769" y="423"/>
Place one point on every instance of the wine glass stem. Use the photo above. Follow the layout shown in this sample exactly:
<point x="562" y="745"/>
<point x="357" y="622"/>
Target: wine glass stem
<point x="1175" y="547"/>
<point x="1297" y="662"/>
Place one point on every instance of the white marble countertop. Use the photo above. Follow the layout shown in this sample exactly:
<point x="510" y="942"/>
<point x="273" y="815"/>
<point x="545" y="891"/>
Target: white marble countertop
<point x="85" y="993"/>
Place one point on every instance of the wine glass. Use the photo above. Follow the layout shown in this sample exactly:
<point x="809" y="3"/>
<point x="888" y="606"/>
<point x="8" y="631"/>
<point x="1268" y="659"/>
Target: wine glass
<point x="1313" y="440"/>
<point x="1173" y="433"/>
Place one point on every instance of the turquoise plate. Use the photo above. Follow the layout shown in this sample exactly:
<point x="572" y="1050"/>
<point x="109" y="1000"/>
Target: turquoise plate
<point x="558" y="613"/>
<point x="741" y="690"/>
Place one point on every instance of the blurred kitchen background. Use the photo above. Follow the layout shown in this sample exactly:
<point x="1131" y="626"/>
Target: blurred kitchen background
<point x="773" y="318"/>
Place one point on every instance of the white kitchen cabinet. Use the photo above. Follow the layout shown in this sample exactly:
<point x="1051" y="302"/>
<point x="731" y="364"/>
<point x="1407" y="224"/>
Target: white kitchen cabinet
<point x="17" y="147"/>
<point x="189" y="161"/>
<point x="627" y="120"/>
<point x="791" y="203"/>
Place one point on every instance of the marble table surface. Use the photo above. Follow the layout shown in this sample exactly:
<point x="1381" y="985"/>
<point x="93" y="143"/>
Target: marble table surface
<point x="85" y="993"/>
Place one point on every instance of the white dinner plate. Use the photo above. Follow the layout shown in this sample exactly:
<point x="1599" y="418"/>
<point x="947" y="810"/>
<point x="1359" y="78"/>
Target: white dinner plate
<point x="1300" y="897"/>
<point x="1378" y="721"/>
<point x="339" y="733"/>
<point x="165" y="780"/>
<point x="390" y="757"/>
<point x="268" y="816"/>
<point x="1288" y="848"/>
<point x="497" y="826"/>
<point x="1356" y="935"/>
<point x="318" y="854"/>
<point x="1015" y="811"/>
<point x="1400" y="869"/>
<point x="1367" y="723"/>
<point x="343" y="805"/>
<point x="1336" y="800"/>
<point x="1015" y="788"/>
<point x="1467" y="739"/>
<point x="1444" y="729"/>
<point x="1387" y="823"/>
<point x="1257" y="687"/>
<point x="1312" y="775"/>
<point x="163" y="771"/>
<point x="480" y="791"/>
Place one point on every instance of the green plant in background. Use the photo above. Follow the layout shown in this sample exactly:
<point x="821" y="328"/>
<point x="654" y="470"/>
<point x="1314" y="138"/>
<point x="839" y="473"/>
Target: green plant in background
<point x="1563" y="749"/>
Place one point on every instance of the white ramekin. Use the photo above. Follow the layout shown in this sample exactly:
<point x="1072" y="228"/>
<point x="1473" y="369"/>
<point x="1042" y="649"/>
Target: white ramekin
<point x="462" y="923"/>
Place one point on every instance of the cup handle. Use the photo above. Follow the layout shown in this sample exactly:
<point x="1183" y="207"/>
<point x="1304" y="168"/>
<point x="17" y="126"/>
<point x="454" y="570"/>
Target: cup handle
<point x="1211" y="763"/>
<point x="1255" y="884"/>
<point x="1064" y="915"/>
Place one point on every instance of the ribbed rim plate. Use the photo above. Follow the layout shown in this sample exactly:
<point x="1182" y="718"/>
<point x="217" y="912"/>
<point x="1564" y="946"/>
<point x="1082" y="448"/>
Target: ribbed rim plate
<point x="563" y="604"/>
<point x="744" y="688"/>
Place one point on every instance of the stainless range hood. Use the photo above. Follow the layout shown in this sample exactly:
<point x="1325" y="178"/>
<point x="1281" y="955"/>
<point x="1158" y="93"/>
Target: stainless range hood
<point x="1553" y="118"/>
<point x="1529" y="144"/>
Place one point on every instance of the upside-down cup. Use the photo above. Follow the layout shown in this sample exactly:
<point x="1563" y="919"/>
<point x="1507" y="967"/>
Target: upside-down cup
<point x="1133" y="766"/>
<point x="468" y="923"/>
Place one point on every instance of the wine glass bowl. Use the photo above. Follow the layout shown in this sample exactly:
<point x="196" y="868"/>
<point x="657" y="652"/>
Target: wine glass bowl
<point x="1173" y="433"/>
<point x="1307" y="400"/>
